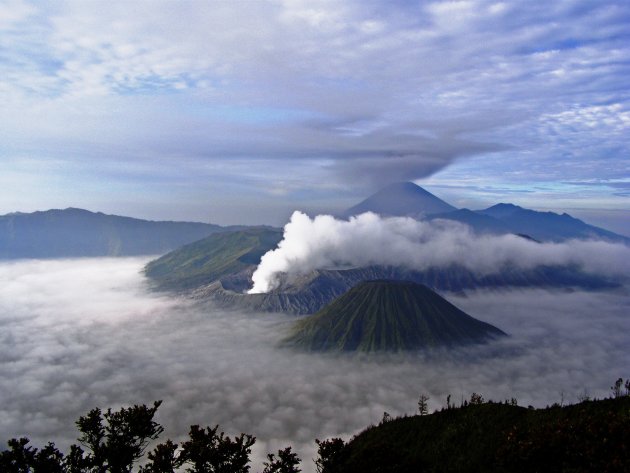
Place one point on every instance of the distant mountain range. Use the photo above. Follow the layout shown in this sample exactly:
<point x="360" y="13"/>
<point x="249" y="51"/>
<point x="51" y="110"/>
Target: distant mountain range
<point x="388" y="316"/>
<point x="76" y="232"/>
<point x="548" y="226"/>
<point x="411" y="200"/>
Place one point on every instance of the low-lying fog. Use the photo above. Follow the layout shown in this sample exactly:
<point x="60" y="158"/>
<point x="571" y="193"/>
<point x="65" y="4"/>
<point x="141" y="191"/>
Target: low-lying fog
<point x="78" y="334"/>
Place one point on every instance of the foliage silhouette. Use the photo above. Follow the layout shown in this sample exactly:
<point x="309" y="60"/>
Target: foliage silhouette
<point x="163" y="459"/>
<point x="209" y="452"/>
<point x="423" y="404"/>
<point x="117" y="445"/>
<point x="330" y="455"/>
<point x="286" y="462"/>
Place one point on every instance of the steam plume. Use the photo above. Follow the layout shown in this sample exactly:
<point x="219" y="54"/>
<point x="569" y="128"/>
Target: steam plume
<point x="368" y="239"/>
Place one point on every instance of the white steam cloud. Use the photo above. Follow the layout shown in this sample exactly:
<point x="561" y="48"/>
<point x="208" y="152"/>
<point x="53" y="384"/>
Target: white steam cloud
<point x="368" y="239"/>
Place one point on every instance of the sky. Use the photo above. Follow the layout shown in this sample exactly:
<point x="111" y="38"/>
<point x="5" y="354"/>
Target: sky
<point x="242" y="112"/>
<point x="84" y="333"/>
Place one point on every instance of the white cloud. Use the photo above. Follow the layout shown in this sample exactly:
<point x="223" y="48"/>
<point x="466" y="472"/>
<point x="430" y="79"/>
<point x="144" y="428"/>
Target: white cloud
<point x="13" y="12"/>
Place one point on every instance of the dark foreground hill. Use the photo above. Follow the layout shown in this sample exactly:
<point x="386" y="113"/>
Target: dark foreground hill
<point x="482" y="437"/>
<point x="593" y="436"/>
<point x="77" y="232"/>
<point x="391" y="316"/>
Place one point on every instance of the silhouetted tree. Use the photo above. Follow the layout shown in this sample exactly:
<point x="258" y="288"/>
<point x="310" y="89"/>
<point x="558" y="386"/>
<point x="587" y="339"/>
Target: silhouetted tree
<point x="19" y="458"/>
<point x="330" y="455"/>
<point x="286" y="462"/>
<point x="115" y="446"/>
<point x="476" y="399"/>
<point x="49" y="460"/>
<point x="75" y="461"/>
<point x="22" y="458"/>
<point x="423" y="404"/>
<point x="616" y="388"/>
<point x="583" y="396"/>
<point x="209" y="452"/>
<point x="163" y="459"/>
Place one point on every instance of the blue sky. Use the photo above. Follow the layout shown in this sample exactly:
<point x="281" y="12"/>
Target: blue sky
<point x="240" y="112"/>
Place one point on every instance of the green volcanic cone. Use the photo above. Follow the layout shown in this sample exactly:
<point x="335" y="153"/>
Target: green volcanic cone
<point x="389" y="315"/>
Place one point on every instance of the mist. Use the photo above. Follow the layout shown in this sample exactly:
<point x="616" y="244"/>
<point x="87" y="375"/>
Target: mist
<point x="324" y="242"/>
<point x="78" y="334"/>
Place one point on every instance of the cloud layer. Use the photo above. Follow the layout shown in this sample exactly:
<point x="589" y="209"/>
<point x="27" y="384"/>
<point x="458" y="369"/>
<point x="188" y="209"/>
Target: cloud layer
<point x="83" y="333"/>
<point x="324" y="242"/>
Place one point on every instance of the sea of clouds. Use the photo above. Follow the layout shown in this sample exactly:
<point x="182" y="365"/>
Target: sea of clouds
<point x="77" y="334"/>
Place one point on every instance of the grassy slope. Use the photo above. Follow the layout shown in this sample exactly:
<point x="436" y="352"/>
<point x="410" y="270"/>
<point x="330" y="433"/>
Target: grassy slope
<point x="207" y="260"/>
<point x="388" y="315"/>
<point x="593" y="436"/>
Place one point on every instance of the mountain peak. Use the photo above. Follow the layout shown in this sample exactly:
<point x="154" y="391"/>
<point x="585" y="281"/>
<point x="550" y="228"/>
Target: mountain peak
<point x="547" y="226"/>
<point x="401" y="199"/>
<point x="403" y="186"/>
<point x="389" y="315"/>
<point x="502" y="210"/>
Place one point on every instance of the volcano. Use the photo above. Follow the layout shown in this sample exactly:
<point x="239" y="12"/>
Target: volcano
<point x="389" y="315"/>
<point x="402" y="199"/>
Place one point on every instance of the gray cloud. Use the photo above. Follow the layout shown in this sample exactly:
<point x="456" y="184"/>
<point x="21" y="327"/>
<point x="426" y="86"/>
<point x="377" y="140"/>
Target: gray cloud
<point x="83" y="333"/>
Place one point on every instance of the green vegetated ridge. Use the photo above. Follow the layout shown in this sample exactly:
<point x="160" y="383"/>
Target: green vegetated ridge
<point x="207" y="260"/>
<point x="389" y="315"/>
<point x="593" y="436"/>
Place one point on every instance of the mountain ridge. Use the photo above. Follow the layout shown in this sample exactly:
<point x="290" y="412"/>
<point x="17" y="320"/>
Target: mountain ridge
<point x="407" y="199"/>
<point x="221" y="255"/>
<point x="548" y="226"/>
<point x="76" y="232"/>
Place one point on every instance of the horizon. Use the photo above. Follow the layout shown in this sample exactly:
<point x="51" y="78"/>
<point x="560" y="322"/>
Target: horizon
<point x="216" y="113"/>
<point x="623" y="230"/>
